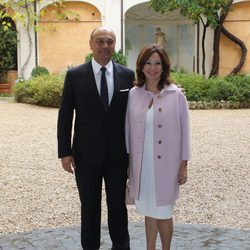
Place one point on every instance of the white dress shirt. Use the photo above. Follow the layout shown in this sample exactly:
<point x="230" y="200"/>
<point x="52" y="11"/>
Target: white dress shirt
<point x="109" y="76"/>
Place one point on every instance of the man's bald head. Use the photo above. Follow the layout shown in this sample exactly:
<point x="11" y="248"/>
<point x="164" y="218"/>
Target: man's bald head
<point x="101" y="29"/>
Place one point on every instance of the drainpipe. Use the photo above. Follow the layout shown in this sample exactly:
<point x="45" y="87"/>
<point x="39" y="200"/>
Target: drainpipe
<point x="35" y="23"/>
<point x="122" y="45"/>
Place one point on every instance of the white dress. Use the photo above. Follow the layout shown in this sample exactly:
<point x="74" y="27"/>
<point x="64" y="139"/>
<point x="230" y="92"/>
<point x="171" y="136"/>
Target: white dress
<point x="146" y="205"/>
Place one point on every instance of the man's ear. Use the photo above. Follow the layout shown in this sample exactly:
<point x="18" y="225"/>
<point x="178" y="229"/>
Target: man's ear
<point x="90" y="44"/>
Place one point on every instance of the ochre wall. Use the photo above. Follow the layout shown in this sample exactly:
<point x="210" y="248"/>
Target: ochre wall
<point x="64" y="42"/>
<point x="238" y="23"/>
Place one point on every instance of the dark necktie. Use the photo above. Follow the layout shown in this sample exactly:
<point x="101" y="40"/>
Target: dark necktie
<point x="104" y="89"/>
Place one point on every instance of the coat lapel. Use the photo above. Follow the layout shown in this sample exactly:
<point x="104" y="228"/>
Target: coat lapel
<point x="117" y="80"/>
<point x="89" y="79"/>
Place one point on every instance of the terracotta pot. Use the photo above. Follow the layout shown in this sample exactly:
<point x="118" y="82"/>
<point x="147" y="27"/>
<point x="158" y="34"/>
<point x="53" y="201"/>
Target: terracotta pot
<point x="11" y="77"/>
<point x="5" y="88"/>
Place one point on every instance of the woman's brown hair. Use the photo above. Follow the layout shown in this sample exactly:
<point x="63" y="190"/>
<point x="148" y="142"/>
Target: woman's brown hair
<point x="143" y="56"/>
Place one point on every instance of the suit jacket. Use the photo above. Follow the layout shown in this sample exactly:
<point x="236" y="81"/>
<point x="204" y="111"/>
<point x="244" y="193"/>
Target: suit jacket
<point x="96" y="132"/>
<point x="170" y="143"/>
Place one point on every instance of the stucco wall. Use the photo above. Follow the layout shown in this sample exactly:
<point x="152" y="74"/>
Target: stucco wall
<point x="238" y="23"/>
<point x="64" y="43"/>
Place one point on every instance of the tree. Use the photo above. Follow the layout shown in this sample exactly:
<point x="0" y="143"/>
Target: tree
<point x="212" y="14"/>
<point x="217" y="33"/>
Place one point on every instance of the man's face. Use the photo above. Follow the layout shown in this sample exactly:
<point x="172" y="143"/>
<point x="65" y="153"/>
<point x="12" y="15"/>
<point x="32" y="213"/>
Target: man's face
<point x="102" y="44"/>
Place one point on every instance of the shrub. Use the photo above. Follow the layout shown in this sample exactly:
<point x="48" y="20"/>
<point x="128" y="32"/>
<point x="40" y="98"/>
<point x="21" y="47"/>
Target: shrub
<point x="229" y="92"/>
<point x="39" y="70"/>
<point x="197" y="88"/>
<point x="118" y="57"/>
<point x="242" y="87"/>
<point x="44" y="90"/>
<point x="192" y="83"/>
<point x="220" y="89"/>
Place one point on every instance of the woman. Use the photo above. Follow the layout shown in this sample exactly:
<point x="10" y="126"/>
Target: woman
<point x="157" y="140"/>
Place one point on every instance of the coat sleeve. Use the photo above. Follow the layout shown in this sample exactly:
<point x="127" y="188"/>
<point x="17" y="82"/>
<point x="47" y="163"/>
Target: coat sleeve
<point x="127" y="126"/>
<point x="65" y="118"/>
<point x="185" y="127"/>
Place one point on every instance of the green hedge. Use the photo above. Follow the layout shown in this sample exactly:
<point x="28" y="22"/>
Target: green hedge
<point x="46" y="90"/>
<point x="197" y="88"/>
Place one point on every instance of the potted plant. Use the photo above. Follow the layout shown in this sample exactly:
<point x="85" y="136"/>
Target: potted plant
<point x="8" y="47"/>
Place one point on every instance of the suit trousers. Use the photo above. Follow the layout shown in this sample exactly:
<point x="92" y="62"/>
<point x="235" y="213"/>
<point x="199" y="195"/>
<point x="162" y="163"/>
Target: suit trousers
<point x="89" y="180"/>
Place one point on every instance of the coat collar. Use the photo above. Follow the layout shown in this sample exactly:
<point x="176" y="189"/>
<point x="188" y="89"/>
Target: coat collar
<point x="167" y="88"/>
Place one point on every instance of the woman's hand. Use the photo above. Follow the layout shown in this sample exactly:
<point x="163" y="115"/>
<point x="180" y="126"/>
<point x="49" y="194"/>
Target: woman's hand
<point x="182" y="177"/>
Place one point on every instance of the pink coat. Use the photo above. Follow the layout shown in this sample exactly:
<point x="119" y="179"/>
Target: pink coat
<point x="171" y="139"/>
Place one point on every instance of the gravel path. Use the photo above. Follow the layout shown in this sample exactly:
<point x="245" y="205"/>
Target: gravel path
<point x="36" y="193"/>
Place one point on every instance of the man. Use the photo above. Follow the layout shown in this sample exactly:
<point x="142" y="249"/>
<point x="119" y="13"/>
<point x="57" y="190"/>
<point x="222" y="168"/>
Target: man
<point x="98" y="149"/>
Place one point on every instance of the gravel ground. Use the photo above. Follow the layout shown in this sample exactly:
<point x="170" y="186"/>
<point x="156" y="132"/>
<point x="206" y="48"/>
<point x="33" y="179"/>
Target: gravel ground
<point x="36" y="193"/>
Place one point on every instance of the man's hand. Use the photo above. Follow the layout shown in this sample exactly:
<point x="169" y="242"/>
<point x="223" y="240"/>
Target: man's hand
<point x="68" y="164"/>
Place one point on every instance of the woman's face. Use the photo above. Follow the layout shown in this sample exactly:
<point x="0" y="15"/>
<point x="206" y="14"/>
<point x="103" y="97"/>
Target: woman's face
<point x="153" y="68"/>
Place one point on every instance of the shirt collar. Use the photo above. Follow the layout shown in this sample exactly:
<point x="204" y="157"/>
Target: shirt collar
<point x="96" y="66"/>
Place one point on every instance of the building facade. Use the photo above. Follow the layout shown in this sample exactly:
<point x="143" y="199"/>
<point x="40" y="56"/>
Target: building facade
<point x="63" y="37"/>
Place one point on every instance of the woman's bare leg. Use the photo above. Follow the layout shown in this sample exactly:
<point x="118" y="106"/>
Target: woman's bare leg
<point x="166" y="232"/>
<point x="151" y="226"/>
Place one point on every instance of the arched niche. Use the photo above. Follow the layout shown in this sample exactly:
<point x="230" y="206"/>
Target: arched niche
<point x="141" y="24"/>
<point x="63" y="37"/>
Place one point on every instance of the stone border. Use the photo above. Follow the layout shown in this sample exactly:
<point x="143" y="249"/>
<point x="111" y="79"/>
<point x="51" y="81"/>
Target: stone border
<point x="218" y="105"/>
<point x="192" y="105"/>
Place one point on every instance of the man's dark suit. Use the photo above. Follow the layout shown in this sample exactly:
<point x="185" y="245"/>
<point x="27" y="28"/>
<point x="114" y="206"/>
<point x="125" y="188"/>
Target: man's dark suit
<point x="98" y="149"/>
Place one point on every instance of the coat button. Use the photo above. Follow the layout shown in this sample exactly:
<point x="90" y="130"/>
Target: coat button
<point x="159" y="141"/>
<point x="159" y="156"/>
<point x="159" y="96"/>
<point x="159" y="126"/>
<point x="160" y="109"/>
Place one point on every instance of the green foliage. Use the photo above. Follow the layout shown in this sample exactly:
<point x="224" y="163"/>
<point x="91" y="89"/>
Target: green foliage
<point x="118" y="57"/>
<point x="194" y="9"/>
<point x="88" y="57"/>
<point x="39" y="70"/>
<point x="8" y="45"/>
<point x="197" y="88"/>
<point x="242" y="85"/>
<point x="192" y="83"/>
<point x="44" y="90"/>
<point x="24" y="12"/>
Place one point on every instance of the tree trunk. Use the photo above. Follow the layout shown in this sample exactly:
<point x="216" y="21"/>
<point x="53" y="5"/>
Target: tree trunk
<point x="242" y="45"/>
<point x="203" y="48"/>
<point x="216" y="47"/>
<point x="216" y="56"/>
